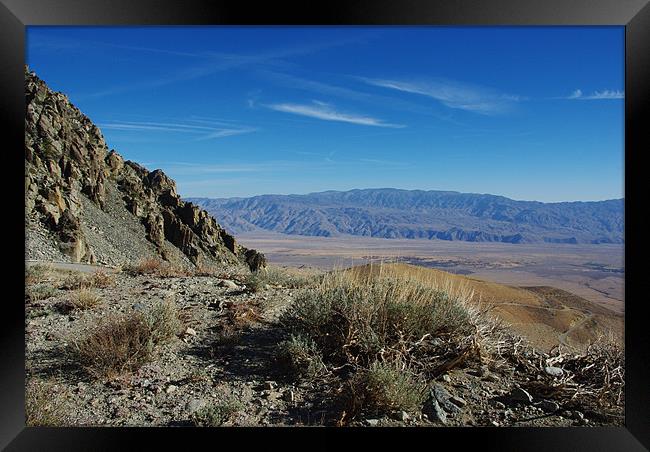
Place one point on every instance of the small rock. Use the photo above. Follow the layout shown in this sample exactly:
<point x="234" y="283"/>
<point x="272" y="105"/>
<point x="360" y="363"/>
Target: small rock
<point x="139" y="306"/>
<point x="195" y="405"/>
<point x="491" y="378"/>
<point x="554" y="371"/>
<point x="499" y="405"/>
<point x="577" y="415"/>
<point x="548" y="406"/>
<point x="494" y="423"/>
<point x="269" y="385"/>
<point x="372" y="422"/>
<point x="458" y="401"/>
<point x="446" y="378"/>
<point x="437" y="412"/>
<point x="402" y="416"/>
<point x="228" y="284"/>
<point x="520" y="395"/>
<point x="171" y="388"/>
<point x="190" y="331"/>
<point x="289" y="396"/>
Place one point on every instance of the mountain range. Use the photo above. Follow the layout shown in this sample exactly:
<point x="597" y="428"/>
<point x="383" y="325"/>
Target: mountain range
<point x="418" y="214"/>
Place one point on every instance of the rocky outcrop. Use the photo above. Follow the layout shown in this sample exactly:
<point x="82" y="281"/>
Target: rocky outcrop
<point x="66" y="159"/>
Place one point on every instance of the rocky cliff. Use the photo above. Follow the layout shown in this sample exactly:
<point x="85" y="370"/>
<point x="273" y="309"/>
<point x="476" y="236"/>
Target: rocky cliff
<point x="85" y="203"/>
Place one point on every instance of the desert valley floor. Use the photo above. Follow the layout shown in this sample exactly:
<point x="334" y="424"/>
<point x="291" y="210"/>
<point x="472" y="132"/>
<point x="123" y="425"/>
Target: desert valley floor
<point x="593" y="272"/>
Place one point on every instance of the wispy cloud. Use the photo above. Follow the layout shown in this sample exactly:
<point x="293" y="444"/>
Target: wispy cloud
<point x="597" y="95"/>
<point x="203" y="132"/>
<point x="326" y="112"/>
<point x="453" y="94"/>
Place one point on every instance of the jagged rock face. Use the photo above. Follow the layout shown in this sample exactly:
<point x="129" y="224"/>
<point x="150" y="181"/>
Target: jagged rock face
<point x="66" y="158"/>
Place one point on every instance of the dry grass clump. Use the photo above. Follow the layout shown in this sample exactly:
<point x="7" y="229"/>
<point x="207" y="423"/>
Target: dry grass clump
<point x="121" y="344"/>
<point x="217" y="414"/>
<point x="44" y="405"/>
<point x="156" y="267"/>
<point x="77" y="281"/>
<point x="82" y="299"/>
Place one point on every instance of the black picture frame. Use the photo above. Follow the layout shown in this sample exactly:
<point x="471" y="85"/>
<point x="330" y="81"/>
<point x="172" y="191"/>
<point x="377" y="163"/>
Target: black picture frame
<point x="15" y="15"/>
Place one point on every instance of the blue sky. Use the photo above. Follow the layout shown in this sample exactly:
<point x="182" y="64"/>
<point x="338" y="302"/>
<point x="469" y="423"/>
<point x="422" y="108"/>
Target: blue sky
<point x="533" y="113"/>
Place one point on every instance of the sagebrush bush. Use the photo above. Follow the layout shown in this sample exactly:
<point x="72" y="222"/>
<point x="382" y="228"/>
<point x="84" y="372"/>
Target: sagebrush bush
<point x="353" y="320"/>
<point x="277" y="277"/>
<point x="121" y="344"/>
<point x="299" y="357"/>
<point x="385" y="387"/>
<point x="163" y="321"/>
<point x="217" y="414"/>
<point x="37" y="273"/>
<point x="40" y="292"/>
<point x="44" y="405"/>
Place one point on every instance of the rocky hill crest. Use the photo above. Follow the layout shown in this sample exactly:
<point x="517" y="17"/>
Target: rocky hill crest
<point x="85" y="203"/>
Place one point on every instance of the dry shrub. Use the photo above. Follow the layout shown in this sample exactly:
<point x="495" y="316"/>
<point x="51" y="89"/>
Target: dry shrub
<point x="101" y="279"/>
<point x="592" y="379"/>
<point x="122" y="344"/>
<point x="82" y="299"/>
<point x="156" y="267"/>
<point x="44" y="405"/>
<point x="202" y="269"/>
<point x="76" y="281"/>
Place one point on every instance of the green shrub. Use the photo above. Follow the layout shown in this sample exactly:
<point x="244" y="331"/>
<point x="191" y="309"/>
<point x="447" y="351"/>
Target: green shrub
<point x="300" y="357"/>
<point x="353" y="320"/>
<point x="40" y="292"/>
<point x="385" y="387"/>
<point x="217" y="414"/>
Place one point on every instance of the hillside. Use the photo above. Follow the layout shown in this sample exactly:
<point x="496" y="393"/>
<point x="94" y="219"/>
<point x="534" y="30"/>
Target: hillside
<point x="444" y="215"/>
<point x="84" y="203"/>
<point x="545" y="316"/>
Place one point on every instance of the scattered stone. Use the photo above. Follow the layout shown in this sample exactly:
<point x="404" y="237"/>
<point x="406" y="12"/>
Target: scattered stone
<point x="171" y="388"/>
<point x="520" y="395"/>
<point x="446" y="378"/>
<point x="491" y="378"/>
<point x="554" y="371"/>
<point x="195" y="405"/>
<point x="228" y="284"/>
<point x="372" y="422"/>
<point x="439" y="393"/>
<point x="458" y="401"/>
<point x="499" y="405"/>
<point x="269" y="384"/>
<point x="190" y="331"/>
<point x="495" y="423"/>
<point x="436" y="411"/>
<point x="548" y="406"/>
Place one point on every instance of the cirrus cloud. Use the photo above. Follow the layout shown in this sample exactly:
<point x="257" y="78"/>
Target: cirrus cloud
<point x="326" y="112"/>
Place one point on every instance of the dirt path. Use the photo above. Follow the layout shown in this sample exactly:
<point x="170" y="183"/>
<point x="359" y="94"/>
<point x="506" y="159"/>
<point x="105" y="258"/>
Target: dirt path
<point x="77" y="267"/>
